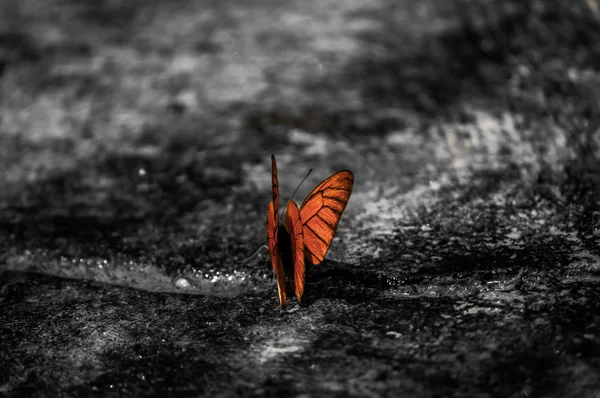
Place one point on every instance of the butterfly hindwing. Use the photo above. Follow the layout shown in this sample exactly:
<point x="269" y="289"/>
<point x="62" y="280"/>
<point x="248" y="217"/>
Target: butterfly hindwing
<point x="293" y="225"/>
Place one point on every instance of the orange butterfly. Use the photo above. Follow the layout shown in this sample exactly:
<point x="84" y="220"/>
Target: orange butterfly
<point x="307" y="231"/>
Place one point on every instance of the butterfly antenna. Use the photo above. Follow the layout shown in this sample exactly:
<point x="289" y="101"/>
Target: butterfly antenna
<point x="257" y="253"/>
<point x="305" y="177"/>
<point x="296" y="190"/>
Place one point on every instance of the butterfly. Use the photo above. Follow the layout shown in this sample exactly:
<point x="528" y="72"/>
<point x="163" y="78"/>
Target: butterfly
<point x="307" y="231"/>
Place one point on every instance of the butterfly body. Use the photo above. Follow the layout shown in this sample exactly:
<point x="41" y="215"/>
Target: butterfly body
<point x="306" y="232"/>
<point x="286" y="253"/>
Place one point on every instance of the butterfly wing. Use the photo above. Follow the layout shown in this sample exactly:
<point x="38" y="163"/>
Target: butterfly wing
<point x="321" y="211"/>
<point x="293" y="225"/>
<point x="275" y="187"/>
<point x="273" y="234"/>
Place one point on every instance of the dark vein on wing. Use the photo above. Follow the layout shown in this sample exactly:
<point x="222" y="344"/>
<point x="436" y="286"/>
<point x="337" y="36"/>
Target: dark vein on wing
<point x="339" y="213"/>
<point x="317" y="235"/>
<point x="325" y="221"/>
<point x="312" y="254"/>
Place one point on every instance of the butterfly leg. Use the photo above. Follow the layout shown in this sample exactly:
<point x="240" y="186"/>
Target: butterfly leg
<point x="261" y="253"/>
<point x="274" y="279"/>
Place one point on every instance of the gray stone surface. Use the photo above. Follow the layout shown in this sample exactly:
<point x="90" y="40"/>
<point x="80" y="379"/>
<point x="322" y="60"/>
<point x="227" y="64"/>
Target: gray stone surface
<point x="135" y="142"/>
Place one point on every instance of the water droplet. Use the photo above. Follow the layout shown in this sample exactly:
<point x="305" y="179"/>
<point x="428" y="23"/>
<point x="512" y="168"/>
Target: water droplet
<point x="182" y="282"/>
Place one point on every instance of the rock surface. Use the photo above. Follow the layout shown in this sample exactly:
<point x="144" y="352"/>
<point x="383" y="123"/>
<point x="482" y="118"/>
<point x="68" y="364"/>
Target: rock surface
<point x="135" y="142"/>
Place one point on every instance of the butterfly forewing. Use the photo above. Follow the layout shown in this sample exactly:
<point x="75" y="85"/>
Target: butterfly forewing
<point x="275" y="186"/>
<point x="273" y="235"/>
<point x="321" y="212"/>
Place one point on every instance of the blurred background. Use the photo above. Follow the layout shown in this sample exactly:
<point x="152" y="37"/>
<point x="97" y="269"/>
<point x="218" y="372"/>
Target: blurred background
<point x="136" y="135"/>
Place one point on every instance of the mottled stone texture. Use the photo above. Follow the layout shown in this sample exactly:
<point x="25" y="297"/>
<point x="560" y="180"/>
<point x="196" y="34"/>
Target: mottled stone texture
<point x="135" y="142"/>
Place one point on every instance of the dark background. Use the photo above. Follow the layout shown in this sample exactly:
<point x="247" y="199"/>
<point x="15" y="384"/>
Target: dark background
<point x="135" y="142"/>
